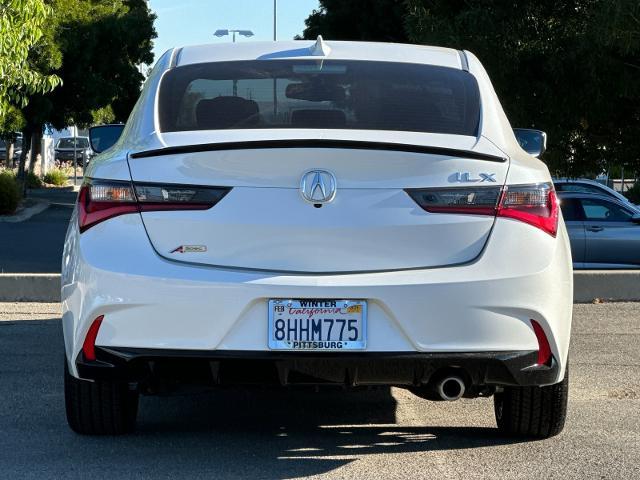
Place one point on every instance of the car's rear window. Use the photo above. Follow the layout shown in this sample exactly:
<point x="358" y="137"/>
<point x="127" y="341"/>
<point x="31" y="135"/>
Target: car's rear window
<point x="81" y="142"/>
<point x="319" y="94"/>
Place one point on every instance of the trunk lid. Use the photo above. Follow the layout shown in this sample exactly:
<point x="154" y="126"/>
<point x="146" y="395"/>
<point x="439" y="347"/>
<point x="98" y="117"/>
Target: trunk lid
<point x="372" y="224"/>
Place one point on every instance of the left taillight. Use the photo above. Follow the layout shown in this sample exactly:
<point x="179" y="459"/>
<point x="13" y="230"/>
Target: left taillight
<point x="99" y="200"/>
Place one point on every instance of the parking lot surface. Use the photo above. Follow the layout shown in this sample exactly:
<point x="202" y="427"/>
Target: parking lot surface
<point x="35" y="245"/>
<point x="273" y="434"/>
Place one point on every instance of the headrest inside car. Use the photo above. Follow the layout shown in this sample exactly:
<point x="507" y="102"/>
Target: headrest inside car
<point x="226" y="112"/>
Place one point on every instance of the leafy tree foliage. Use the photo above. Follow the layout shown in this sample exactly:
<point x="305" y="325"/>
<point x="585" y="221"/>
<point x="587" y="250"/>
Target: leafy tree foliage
<point x="96" y="47"/>
<point x="569" y="67"/>
<point x="374" y="20"/>
<point x="21" y="29"/>
<point x="566" y="67"/>
<point x="102" y="43"/>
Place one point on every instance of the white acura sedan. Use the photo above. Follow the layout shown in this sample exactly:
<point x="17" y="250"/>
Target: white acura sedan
<point x="317" y="213"/>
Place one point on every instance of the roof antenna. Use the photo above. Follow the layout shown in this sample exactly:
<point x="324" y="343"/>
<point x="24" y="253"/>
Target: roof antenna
<point x="320" y="48"/>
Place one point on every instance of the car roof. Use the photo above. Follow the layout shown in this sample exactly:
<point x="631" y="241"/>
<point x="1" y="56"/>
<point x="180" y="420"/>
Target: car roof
<point x="338" y="50"/>
<point x="597" y="196"/>
<point x="578" y="180"/>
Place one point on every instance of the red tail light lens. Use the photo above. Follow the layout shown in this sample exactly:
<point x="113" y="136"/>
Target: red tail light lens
<point x="100" y="200"/>
<point x="535" y="204"/>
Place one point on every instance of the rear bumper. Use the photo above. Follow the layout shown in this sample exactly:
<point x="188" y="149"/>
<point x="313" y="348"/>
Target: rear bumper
<point x="154" y="304"/>
<point x="151" y="368"/>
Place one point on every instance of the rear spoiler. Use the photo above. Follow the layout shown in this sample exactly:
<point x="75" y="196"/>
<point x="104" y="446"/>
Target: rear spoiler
<point x="304" y="143"/>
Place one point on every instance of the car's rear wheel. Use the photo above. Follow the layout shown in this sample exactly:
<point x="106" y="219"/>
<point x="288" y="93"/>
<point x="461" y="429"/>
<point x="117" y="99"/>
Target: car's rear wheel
<point x="100" y="407"/>
<point x="533" y="411"/>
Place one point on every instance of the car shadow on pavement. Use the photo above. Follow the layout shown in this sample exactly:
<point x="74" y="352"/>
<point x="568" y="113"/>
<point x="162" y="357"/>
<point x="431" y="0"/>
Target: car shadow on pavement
<point x="228" y="433"/>
<point x="294" y="434"/>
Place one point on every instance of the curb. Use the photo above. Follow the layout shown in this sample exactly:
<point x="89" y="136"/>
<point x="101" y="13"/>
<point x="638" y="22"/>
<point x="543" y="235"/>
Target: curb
<point x="589" y="285"/>
<point x="29" y="287"/>
<point x="613" y="285"/>
<point x="26" y="213"/>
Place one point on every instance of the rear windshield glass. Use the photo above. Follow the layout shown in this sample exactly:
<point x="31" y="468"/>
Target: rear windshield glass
<point x="68" y="143"/>
<point x="319" y="94"/>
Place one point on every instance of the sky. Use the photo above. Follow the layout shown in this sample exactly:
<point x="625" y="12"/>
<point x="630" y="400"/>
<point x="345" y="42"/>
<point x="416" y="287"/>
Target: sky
<point x="191" y="22"/>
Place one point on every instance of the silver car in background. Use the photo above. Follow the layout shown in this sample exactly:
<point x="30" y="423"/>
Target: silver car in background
<point x="583" y="185"/>
<point x="604" y="232"/>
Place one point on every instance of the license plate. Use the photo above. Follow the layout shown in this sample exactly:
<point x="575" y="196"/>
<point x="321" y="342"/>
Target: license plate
<point x="317" y="324"/>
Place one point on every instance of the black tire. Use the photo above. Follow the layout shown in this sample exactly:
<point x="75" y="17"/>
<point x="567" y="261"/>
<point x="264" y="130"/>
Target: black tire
<point x="537" y="412"/>
<point x="100" y="407"/>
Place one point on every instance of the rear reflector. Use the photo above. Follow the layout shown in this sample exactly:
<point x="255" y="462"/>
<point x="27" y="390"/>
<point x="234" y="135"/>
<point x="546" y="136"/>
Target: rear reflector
<point x="534" y="204"/>
<point x="100" y="200"/>
<point x="544" y="349"/>
<point x="89" y="345"/>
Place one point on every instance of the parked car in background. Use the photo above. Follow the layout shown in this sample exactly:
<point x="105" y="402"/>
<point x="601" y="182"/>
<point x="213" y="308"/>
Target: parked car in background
<point x="583" y="185"/>
<point x="372" y="221"/>
<point x="604" y="232"/>
<point x="17" y="150"/>
<point x="65" y="148"/>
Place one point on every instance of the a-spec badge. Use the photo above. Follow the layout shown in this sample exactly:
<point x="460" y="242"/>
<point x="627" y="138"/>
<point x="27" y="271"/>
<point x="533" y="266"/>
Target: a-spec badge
<point x="190" y="249"/>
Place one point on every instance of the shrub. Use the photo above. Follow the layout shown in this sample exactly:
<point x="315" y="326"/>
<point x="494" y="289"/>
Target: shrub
<point x="633" y="194"/>
<point x="33" y="180"/>
<point x="56" y="177"/>
<point x="9" y="192"/>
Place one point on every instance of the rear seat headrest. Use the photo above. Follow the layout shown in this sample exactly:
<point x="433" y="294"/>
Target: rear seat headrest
<point x="225" y="112"/>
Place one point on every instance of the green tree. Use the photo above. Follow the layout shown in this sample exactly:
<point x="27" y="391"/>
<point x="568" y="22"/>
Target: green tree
<point x="100" y="45"/>
<point x="103" y="44"/>
<point x="21" y="28"/>
<point x="13" y="122"/>
<point x="375" y="20"/>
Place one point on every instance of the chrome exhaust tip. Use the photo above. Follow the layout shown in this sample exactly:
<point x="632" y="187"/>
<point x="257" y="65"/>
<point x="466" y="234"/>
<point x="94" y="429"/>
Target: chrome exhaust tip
<point x="450" y="388"/>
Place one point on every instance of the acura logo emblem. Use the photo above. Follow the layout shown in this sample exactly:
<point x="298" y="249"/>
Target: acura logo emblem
<point x="318" y="186"/>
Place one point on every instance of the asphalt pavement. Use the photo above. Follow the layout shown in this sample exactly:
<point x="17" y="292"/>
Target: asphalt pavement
<point x="35" y="245"/>
<point x="275" y="434"/>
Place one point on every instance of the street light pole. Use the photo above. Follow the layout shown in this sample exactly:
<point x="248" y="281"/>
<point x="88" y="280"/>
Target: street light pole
<point x="275" y="38"/>
<point x="244" y="33"/>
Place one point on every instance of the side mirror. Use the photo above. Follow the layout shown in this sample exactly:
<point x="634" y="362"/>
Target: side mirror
<point x="104" y="137"/>
<point x="636" y="218"/>
<point x="534" y="142"/>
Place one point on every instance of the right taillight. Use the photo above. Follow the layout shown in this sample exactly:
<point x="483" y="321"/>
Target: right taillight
<point x="100" y="200"/>
<point x="534" y="204"/>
